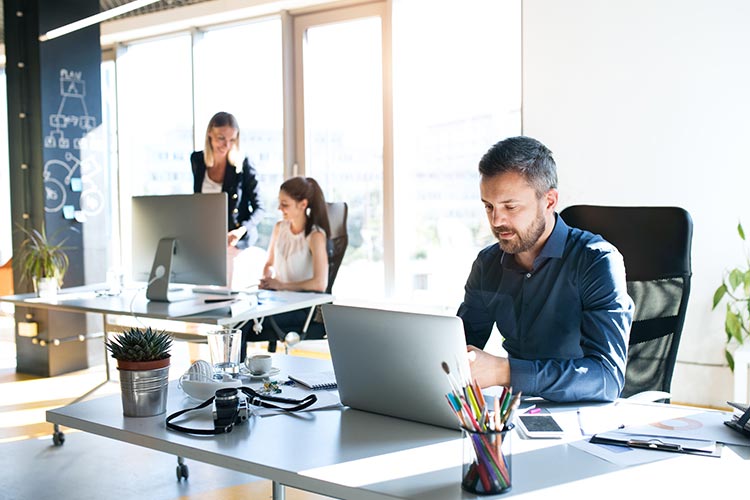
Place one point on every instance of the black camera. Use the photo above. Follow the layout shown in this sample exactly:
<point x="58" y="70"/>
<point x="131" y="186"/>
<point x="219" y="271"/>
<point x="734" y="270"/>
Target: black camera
<point x="230" y="408"/>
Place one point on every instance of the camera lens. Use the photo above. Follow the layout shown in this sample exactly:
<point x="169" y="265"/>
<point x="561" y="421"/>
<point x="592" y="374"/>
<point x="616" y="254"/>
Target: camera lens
<point x="226" y="395"/>
<point x="227" y="404"/>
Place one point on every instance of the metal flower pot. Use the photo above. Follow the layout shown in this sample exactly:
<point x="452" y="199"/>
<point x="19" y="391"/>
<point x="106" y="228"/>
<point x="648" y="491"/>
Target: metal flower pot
<point x="144" y="390"/>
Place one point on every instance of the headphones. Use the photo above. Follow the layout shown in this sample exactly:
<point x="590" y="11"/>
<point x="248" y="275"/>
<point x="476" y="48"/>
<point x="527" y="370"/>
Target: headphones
<point x="231" y="409"/>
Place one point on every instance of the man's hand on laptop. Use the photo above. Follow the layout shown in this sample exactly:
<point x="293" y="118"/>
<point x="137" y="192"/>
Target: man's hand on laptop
<point x="487" y="369"/>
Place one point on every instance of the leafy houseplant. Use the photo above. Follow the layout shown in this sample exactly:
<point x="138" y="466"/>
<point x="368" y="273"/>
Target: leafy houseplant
<point x="40" y="259"/>
<point x="735" y="286"/>
<point x="143" y="361"/>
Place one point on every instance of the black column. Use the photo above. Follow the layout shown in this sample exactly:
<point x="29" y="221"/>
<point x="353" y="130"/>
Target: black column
<point x="54" y="109"/>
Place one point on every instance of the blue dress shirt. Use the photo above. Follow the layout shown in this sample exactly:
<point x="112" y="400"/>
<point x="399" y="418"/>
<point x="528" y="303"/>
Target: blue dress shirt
<point x="565" y="323"/>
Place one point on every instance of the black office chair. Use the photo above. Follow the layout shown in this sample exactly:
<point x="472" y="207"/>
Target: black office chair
<point x="655" y="243"/>
<point x="338" y="241"/>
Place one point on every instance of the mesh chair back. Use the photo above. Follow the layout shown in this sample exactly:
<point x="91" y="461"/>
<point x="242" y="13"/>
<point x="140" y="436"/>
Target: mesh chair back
<point x="338" y="240"/>
<point x="655" y="243"/>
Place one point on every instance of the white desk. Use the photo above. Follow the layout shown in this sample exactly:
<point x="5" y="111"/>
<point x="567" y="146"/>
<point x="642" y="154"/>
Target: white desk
<point x="357" y="455"/>
<point x="133" y="302"/>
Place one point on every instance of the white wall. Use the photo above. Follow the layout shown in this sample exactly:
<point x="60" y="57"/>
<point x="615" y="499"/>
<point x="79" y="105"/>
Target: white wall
<point x="647" y="102"/>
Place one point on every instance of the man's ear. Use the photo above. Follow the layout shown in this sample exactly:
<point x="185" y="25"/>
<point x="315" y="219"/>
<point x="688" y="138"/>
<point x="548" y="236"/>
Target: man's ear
<point x="552" y="199"/>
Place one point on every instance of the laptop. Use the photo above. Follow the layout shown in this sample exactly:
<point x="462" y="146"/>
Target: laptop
<point x="390" y="362"/>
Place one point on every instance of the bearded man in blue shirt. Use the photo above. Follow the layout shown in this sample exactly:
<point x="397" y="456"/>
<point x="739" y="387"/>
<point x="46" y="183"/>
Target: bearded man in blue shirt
<point x="556" y="293"/>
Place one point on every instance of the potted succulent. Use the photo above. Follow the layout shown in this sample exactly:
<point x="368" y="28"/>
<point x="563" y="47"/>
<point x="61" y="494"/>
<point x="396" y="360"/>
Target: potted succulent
<point x="143" y="361"/>
<point x="43" y="262"/>
<point x="735" y="287"/>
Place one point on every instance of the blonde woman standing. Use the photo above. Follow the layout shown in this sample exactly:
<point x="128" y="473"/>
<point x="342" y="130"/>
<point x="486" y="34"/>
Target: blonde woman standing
<point x="221" y="168"/>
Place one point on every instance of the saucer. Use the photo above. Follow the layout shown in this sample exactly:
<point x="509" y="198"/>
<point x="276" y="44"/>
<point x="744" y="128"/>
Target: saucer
<point x="270" y="373"/>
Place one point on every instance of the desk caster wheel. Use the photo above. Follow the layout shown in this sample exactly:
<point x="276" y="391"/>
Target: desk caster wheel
<point x="58" y="438"/>
<point x="182" y="469"/>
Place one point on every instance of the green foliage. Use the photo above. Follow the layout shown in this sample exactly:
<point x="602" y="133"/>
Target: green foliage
<point x="735" y="288"/>
<point x="40" y="258"/>
<point x="136" y="344"/>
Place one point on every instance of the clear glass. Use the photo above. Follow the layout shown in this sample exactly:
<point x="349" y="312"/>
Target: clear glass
<point x="344" y="140"/>
<point x="457" y="91"/>
<point x="224" y="349"/>
<point x="247" y="83"/>
<point x="486" y="466"/>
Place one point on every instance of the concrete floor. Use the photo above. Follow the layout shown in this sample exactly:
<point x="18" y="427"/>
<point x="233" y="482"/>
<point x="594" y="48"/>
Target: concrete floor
<point x="87" y="466"/>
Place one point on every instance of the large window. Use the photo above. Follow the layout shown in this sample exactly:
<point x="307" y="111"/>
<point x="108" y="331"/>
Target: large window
<point x="392" y="110"/>
<point x="343" y="123"/>
<point x="457" y="91"/>
<point x="154" y="86"/>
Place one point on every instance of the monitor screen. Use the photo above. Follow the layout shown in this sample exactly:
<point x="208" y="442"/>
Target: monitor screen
<point x="179" y="239"/>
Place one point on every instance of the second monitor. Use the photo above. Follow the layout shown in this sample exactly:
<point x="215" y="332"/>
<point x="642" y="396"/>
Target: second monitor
<point x="179" y="239"/>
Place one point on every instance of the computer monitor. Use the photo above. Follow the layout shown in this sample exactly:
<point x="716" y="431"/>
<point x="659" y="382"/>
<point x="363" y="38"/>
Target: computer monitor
<point x="179" y="239"/>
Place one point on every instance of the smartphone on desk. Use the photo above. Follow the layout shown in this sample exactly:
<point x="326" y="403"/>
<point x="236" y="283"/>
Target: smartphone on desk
<point x="540" y="426"/>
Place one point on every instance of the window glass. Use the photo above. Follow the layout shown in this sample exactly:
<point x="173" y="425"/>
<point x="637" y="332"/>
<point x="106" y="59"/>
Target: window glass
<point x="238" y="70"/>
<point x="457" y="91"/>
<point x="109" y="179"/>
<point x="154" y="84"/>
<point x="344" y="140"/>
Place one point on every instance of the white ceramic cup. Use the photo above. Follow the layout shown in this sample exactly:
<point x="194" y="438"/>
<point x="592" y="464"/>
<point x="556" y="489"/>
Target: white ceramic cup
<point x="259" y="364"/>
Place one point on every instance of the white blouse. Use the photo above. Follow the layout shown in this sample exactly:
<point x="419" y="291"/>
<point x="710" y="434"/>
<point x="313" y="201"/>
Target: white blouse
<point x="293" y="260"/>
<point x="210" y="186"/>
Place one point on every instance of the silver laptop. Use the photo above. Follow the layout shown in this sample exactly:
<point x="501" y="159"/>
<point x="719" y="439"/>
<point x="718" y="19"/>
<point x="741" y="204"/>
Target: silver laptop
<point x="389" y="362"/>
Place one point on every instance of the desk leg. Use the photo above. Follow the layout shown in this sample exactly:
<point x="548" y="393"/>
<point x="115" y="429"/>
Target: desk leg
<point x="106" y="353"/>
<point x="278" y="491"/>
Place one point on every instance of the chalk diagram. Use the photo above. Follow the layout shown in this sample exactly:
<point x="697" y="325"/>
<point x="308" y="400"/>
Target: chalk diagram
<point x="72" y="90"/>
<point x="92" y="199"/>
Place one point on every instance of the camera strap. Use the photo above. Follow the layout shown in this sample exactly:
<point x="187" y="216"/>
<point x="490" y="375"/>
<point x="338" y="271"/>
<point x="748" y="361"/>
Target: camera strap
<point x="254" y="398"/>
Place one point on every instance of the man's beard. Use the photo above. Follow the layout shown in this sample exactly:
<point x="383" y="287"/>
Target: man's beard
<point x="522" y="241"/>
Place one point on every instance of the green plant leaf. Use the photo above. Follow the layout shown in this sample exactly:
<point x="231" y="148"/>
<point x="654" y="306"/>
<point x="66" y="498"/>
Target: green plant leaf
<point x="719" y="294"/>
<point x="736" y="278"/>
<point x="733" y="325"/>
<point x="747" y="283"/>
<point x="730" y="359"/>
<point x="741" y="231"/>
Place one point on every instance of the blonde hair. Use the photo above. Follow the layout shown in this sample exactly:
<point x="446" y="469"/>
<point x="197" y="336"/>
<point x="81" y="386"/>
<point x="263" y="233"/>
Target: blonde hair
<point x="223" y="119"/>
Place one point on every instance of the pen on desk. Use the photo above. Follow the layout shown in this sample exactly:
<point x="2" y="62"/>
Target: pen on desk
<point x="212" y="301"/>
<point x="532" y="410"/>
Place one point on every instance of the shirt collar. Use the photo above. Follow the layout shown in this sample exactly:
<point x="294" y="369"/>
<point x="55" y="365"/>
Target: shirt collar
<point x="555" y="245"/>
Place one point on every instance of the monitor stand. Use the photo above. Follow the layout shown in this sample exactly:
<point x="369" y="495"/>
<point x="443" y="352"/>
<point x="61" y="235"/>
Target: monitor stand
<point x="158" y="281"/>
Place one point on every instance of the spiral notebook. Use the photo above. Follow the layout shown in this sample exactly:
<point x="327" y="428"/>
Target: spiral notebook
<point x="316" y="380"/>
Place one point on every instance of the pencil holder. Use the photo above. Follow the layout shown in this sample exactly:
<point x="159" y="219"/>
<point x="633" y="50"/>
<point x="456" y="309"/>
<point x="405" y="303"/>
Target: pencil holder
<point x="486" y="462"/>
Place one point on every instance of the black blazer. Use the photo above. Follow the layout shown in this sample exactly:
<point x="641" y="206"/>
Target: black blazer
<point x="244" y="208"/>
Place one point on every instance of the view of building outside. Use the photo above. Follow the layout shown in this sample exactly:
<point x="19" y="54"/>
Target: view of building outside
<point x="155" y="123"/>
<point x="344" y="141"/>
<point x="457" y="91"/>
